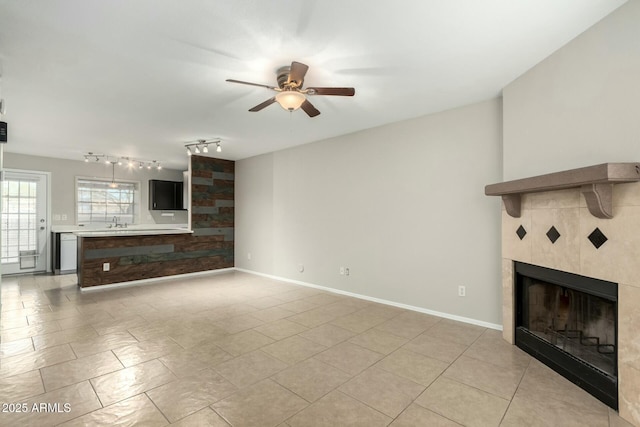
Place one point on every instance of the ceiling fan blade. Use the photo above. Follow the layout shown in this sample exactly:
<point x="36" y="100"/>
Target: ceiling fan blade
<point x="309" y="108"/>
<point x="264" y="104"/>
<point x="297" y="73"/>
<point x="337" y="91"/>
<point x="250" y="84"/>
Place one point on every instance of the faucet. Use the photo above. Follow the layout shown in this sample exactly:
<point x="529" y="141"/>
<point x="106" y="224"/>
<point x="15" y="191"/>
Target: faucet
<point x="118" y="224"/>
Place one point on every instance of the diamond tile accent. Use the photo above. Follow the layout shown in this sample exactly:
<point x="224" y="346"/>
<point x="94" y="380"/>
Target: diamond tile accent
<point x="521" y="232"/>
<point x="553" y="234"/>
<point x="597" y="238"/>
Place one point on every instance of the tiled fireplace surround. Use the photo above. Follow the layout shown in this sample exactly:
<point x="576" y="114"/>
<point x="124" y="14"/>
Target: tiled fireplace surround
<point x="617" y="260"/>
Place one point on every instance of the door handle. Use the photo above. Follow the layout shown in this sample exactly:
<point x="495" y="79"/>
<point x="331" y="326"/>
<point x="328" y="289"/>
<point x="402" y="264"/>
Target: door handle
<point x="42" y="228"/>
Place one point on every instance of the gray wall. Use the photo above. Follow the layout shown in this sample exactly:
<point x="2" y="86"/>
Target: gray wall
<point x="63" y="175"/>
<point x="401" y="205"/>
<point x="580" y="106"/>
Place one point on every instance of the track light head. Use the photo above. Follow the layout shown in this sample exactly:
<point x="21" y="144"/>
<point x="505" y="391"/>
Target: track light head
<point x="218" y="147"/>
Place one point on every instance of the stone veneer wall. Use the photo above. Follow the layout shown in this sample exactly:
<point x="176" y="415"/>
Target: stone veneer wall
<point x="212" y="201"/>
<point x="617" y="260"/>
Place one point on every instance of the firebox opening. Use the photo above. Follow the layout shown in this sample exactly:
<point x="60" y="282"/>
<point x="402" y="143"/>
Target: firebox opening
<point x="569" y="322"/>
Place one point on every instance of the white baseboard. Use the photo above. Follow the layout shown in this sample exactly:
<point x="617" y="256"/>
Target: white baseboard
<point x="153" y="280"/>
<point x="296" y="282"/>
<point x="379" y="300"/>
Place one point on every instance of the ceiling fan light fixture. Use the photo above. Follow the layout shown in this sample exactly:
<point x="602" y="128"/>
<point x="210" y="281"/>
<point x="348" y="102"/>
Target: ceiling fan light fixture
<point x="290" y="100"/>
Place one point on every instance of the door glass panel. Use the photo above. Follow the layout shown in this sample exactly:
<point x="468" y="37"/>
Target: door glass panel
<point x="23" y="222"/>
<point x="19" y="220"/>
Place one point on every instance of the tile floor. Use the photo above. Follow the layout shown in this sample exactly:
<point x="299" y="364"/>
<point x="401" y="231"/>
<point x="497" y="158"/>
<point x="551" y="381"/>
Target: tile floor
<point x="241" y="350"/>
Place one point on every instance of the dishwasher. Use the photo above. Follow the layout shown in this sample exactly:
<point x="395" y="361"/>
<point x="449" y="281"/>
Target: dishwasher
<point x="65" y="253"/>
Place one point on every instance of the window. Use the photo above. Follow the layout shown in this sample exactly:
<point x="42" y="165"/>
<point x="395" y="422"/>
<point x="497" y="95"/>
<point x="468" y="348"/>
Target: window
<point x="98" y="202"/>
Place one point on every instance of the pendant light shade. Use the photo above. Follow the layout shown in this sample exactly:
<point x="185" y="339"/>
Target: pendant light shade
<point x="290" y="100"/>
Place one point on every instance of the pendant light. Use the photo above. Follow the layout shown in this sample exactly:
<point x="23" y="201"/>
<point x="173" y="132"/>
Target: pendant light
<point x="113" y="175"/>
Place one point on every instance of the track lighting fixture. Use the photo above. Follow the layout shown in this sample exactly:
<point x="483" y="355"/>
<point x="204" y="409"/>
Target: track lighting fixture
<point x="201" y="146"/>
<point x="122" y="161"/>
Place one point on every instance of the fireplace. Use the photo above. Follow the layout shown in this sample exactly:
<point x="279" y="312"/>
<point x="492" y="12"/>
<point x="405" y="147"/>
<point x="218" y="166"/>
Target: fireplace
<point x="569" y="322"/>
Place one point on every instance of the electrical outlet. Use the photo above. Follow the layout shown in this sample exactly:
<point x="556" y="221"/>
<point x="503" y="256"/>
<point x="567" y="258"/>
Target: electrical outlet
<point x="342" y="271"/>
<point x="64" y="217"/>
<point x="106" y="266"/>
<point x="249" y="256"/>
<point x="346" y="271"/>
<point x="462" y="291"/>
<point x="301" y="268"/>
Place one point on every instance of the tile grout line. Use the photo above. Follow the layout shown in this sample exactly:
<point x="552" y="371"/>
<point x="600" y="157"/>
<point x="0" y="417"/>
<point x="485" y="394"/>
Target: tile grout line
<point x="441" y="375"/>
<point x="516" y="391"/>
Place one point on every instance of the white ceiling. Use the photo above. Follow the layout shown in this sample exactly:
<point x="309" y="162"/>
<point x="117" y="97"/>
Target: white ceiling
<point x="140" y="78"/>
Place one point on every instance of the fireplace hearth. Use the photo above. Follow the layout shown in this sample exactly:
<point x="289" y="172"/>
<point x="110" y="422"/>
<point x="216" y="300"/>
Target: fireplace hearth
<point x="569" y="322"/>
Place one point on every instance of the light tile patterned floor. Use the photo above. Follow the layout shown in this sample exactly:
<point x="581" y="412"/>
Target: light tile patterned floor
<point x="241" y="350"/>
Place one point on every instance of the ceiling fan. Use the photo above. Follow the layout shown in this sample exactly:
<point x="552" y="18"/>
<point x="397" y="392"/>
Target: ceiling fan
<point x="290" y="94"/>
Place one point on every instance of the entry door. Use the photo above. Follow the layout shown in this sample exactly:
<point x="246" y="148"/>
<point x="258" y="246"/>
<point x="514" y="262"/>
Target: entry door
<point x="23" y="235"/>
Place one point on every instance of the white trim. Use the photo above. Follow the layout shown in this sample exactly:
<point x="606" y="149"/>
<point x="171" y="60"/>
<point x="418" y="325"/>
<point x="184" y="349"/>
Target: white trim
<point x="153" y="280"/>
<point x="379" y="300"/>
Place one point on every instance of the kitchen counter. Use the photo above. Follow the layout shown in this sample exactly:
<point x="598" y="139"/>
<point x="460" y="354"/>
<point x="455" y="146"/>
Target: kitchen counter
<point x="118" y="255"/>
<point x="114" y="232"/>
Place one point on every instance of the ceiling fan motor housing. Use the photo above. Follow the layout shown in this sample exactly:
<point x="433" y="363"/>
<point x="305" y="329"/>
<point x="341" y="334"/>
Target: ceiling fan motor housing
<point x="283" y="77"/>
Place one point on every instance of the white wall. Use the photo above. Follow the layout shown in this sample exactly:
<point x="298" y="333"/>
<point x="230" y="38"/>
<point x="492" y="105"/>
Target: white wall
<point x="63" y="175"/>
<point x="580" y="106"/>
<point x="401" y="205"/>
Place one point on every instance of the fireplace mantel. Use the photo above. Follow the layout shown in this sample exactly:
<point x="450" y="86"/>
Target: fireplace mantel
<point x="595" y="183"/>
